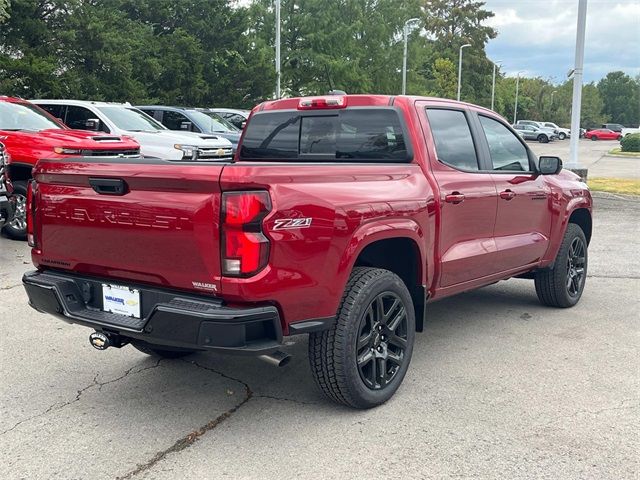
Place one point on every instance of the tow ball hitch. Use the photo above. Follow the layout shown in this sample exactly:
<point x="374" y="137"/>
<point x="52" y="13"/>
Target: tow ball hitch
<point x="104" y="340"/>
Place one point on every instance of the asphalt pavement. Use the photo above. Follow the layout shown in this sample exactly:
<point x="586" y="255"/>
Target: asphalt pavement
<point x="499" y="387"/>
<point x="593" y="155"/>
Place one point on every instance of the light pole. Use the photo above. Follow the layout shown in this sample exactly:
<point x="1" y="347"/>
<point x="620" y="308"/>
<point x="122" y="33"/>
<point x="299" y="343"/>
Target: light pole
<point x="515" y="108"/>
<point x="493" y="82"/>
<point x="576" y="102"/>
<point x="460" y="67"/>
<point x="404" y="57"/>
<point x="277" y="48"/>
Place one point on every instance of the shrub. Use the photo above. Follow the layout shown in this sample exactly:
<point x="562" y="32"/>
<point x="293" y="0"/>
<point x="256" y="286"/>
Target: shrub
<point x="631" y="143"/>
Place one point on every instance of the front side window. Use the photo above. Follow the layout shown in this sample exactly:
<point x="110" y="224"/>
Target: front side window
<point x="452" y="136"/>
<point x="24" y="116"/>
<point x="130" y="119"/>
<point x="507" y="151"/>
<point x="174" y="120"/>
<point x="374" y="134"/>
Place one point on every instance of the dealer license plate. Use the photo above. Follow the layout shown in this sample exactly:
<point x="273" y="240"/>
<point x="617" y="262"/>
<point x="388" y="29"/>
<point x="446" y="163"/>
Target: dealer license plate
<point x="121" y="300"/>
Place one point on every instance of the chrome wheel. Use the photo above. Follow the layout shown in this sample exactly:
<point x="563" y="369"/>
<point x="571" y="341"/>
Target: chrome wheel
<point x="576" y="267"/>
<point x="19" y="221"/>
<point x="382" y="340"/>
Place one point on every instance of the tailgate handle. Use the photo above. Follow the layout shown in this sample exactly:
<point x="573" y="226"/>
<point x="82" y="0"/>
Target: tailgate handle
<point x="108" y="186"/>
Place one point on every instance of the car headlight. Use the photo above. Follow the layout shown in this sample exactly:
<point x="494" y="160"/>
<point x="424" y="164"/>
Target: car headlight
<point x="67" y="151"/>
<point x="189" y="152"/>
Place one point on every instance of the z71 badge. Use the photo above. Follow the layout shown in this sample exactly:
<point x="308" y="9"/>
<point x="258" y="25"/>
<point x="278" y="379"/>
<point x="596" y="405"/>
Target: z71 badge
<point x="288" y="223"/>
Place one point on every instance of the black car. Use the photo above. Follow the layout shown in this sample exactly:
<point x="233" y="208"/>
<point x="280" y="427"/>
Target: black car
<point x="6" y="207"/>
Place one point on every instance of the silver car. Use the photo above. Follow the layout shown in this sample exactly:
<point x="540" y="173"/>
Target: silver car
<point x="530" y="132"/>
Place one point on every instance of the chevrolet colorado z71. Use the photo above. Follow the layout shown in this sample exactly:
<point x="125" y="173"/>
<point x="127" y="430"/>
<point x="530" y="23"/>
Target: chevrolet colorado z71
<point x="29" y="134"/>
<point x="340" y="217"/>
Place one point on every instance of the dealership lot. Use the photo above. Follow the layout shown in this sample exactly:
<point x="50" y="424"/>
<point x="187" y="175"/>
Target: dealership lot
<point x="594" y="156"/>
<point x="499" y="386"/>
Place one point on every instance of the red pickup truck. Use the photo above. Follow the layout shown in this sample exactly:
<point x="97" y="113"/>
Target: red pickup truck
<point x="341" y="217"/>
<point x="29" y="134"/>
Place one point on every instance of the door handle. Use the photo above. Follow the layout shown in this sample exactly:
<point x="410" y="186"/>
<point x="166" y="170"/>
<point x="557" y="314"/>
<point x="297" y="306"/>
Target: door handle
<point x="507" y="195"/>
<point x="108" y="186"/>
<point x="455" y="198"/>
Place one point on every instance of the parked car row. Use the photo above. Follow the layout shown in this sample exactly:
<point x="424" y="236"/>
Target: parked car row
<point x="32" y="130"/>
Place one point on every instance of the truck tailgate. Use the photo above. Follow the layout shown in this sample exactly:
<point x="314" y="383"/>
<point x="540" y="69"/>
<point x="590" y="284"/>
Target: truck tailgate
<point x="163" y="229"/>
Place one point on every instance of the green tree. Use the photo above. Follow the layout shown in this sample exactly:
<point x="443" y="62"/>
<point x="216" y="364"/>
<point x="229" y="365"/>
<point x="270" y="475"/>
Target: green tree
<point x="621" y="97"/>
<point x="354" y="45"/>
<point x="444" y="78"/>
<point x="452" y="23"/>
<point x="4" y="10"/>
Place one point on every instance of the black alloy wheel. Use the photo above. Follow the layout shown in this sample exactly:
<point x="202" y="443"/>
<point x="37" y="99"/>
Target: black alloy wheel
<point x="382" y="340"/>
<point x="576" y="267"/>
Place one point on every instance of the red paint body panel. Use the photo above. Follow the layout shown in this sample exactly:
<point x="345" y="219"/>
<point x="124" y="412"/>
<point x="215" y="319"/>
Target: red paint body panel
<point x="166" y="229"/>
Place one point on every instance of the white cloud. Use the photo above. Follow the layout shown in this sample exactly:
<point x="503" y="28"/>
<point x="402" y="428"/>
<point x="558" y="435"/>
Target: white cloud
<point x="539" y="36"/>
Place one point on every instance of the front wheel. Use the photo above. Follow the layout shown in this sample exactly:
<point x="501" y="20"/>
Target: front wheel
<point x="362" y="360"/>
<point x="594" y="138"/>
<point x="562" y="285"/>
<point x="543" y="139"/>
<point x="562" y="136"/>
<point x="16" y="228"/>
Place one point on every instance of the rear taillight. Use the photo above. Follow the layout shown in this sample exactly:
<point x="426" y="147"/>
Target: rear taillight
<point x="245" y="249"/>
<point x="32" y="190"/>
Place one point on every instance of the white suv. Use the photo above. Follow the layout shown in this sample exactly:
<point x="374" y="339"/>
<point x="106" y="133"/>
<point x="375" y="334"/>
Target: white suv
<point x="562" y="132"/>
<point x="154" y="138"/>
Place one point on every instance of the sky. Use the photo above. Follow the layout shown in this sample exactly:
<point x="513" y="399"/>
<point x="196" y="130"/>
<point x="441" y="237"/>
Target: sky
<point x="538" y="37"/>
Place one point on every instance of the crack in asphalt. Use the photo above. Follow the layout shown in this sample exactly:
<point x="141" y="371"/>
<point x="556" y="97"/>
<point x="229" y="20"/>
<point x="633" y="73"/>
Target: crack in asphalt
<point x="10" y="287"/>
<point x="191" y="437"/>
<point x="285" y="399"/>
<point x="59" y="406"/>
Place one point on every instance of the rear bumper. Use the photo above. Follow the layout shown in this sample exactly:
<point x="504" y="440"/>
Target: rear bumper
<point x="168" y="318"/>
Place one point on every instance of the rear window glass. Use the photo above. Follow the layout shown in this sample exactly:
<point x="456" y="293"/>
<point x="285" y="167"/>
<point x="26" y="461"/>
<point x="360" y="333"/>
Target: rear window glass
<point x="347" y="135"/>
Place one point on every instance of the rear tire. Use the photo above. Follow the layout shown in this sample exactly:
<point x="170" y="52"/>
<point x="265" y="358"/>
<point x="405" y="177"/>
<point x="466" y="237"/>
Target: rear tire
<point x="153" y="351"/>
<point x="543" y="139"/>
<point x="562" y="285"/>
<point x="16" y="228"/>
<point x="362" y="360"/>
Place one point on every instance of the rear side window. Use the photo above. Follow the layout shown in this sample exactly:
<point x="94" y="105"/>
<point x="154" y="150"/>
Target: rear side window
<point x="452" y="136"/>
<point x="346" y="135"/>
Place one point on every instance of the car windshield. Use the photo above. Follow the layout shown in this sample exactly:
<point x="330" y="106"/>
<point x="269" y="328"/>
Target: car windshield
<point x="24" y="116"/>
<point x="213" y="122"/>
<point x="131" y="119"/>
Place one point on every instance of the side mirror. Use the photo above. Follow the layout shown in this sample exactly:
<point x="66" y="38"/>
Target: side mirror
<point x="243" y="124"/>
<point x="549" y="165"/>
<point x="92" y="124"/>
<point x="185" y="126"/>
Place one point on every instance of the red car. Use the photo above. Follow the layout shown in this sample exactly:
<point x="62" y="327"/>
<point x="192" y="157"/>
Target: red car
<point x="603" y="134"/>
<point x="342" y="217"/>
<point x="29" y="134"/>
